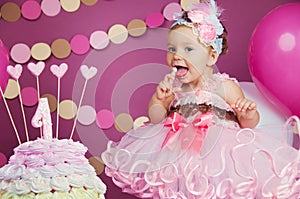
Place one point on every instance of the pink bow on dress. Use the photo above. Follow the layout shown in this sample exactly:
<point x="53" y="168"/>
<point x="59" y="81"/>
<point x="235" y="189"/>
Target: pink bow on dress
<point x="177" y="122"/>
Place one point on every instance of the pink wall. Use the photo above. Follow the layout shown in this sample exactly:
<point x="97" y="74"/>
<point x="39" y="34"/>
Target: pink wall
<point x="240" y="18"/>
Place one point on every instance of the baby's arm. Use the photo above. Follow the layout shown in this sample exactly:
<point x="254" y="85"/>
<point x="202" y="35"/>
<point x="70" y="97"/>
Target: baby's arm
<point x="161" y="99"/>
<point x="244" y="108"/>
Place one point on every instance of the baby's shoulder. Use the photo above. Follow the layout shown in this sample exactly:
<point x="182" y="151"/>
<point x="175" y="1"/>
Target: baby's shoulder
<point x="224" y="78"/>
<point x="227" y="86"/>
<point x="223" y="81"/>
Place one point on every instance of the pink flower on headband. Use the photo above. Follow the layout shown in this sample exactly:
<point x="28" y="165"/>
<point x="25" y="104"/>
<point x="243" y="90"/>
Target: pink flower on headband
<point x="207" y="32"/>
<point x="197" y="16"/>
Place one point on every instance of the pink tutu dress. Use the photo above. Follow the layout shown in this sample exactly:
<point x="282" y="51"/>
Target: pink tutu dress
<point x="199" y="151"/>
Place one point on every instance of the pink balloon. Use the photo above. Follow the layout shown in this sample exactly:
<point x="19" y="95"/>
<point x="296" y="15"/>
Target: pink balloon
<point x="274" y="57"/>
<point x="4" y="62"/>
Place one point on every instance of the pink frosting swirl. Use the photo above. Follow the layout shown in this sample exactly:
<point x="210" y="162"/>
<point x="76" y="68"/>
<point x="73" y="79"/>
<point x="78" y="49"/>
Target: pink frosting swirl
<point x="51" y="159"/>
<point x="34" y="160"/>
<point x="17" y="159"/>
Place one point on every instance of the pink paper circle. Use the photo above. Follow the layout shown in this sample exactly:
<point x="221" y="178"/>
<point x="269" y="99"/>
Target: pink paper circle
<point x="86" y="115"/>
<point x="99" y="39"/>
<point x="20" y="53"/>
<point x="170" y="9"/>
<point x="29" y="96"/>
<point x="3" y="160"/>
<point x="154" y="20"/>
<point x="105" y="119"/>
<point x="31" y="10"/>
<point x="80" y="44"/>
<point x="50" y="7"/>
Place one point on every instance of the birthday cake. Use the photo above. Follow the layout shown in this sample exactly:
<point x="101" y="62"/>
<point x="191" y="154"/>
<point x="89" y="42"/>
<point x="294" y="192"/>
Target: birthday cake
<point x="48" y="167"/>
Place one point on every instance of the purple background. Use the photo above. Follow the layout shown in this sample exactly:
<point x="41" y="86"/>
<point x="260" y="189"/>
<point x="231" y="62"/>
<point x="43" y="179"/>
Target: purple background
<point x="239" y="17"/>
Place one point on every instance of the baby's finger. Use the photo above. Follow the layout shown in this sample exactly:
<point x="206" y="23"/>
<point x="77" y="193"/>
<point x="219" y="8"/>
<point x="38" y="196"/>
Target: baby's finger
<point x="238" y="104"/>
<point x="252" y="106"/>
<point x="245" y="105"/>
<point x="163" y="86"/>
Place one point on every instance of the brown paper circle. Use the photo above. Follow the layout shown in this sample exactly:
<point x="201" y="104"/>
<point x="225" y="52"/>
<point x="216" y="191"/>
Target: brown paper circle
<point x="10" y="12"/>
<point x="136" y="27"/>
<point x="89" y="2"/>
<point x="97" y="163"/>
<point x="61" y="48"/>
<point x="52" y="101"/>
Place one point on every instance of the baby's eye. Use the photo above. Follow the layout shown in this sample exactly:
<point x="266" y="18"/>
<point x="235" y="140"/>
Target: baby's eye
<point x="171" y="49"/>
<point x="188" y="49"/>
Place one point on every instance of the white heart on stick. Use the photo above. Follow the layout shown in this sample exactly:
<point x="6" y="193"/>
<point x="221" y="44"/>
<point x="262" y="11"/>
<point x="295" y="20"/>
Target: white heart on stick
<point x="88" y="73"/>
<point x="59" y="71"/>
<point x="15" y="71"/>
<point x="37" y="68"/>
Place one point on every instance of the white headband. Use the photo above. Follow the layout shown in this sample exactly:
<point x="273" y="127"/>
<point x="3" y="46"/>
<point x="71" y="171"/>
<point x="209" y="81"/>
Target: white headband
<point x="204" y="23"/>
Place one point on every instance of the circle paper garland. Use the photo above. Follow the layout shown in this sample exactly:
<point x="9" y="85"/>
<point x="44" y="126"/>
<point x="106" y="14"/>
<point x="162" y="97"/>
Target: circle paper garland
<point x="80" y="44"/>
<point x="32" y="10"/>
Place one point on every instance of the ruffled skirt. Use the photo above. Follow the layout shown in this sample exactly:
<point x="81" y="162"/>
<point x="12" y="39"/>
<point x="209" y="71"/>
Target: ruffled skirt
<point x="219" y="161"/>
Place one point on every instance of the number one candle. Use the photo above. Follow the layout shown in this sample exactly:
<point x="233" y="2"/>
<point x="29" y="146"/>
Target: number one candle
<point x="42" y="118"/>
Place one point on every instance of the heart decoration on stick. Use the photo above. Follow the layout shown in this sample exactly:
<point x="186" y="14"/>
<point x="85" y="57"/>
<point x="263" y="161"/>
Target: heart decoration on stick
<point x="15" y="71"/>
<point x="59" y="71"/>
<point x="37" y="68"/>
<point x="88" y="73"/>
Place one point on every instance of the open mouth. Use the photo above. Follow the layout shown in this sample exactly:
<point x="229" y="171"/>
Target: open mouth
<point x="181" y="71"/>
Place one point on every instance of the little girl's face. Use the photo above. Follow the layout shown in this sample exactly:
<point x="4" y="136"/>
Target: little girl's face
<point x="188" y="55"/>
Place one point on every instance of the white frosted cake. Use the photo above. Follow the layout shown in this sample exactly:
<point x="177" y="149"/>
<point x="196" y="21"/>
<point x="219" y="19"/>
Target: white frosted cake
<point x="50" y="169"/>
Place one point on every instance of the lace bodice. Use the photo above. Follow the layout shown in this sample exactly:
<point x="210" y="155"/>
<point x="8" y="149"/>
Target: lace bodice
<point x="189" y="103"/>
<point x="207" y="95"/>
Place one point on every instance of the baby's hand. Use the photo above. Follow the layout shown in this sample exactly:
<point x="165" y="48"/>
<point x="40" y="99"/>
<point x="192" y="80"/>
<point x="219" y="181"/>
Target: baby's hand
<point x="245" y="107"/>
<point x="165" y="87"/>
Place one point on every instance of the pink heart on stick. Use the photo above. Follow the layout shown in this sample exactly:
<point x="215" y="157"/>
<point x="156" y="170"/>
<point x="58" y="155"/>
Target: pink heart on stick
<point x="36" y="69"/>
<point x="59" y="71"/>
<point x="15" y="71"/>
<point x="88" y="73"/>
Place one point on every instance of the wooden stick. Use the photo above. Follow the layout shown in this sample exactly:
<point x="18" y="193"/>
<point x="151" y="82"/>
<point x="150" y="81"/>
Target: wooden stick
<point x="57" y="106"/>
<point x="39" y="96"/>
<point x="10" y="116"/>
<point x="79" y="105"/>
<point x="23" y="112"/>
